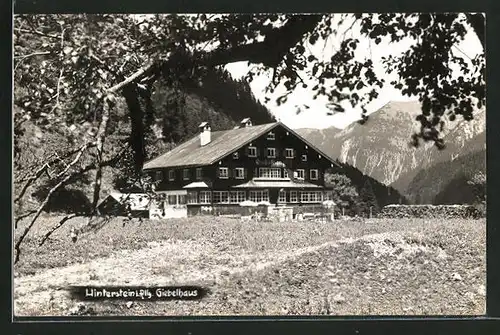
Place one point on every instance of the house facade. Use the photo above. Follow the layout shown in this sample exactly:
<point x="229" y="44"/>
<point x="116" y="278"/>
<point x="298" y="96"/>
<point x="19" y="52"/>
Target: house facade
<point x="215" y="172"/>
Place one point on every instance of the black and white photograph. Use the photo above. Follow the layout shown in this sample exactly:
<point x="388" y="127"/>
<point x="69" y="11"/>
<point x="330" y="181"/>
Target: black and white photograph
<point x="249" y="164"/>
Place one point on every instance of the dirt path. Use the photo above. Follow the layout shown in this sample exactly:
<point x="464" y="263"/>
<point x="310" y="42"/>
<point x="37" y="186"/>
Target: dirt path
<point x="165" y="263"/>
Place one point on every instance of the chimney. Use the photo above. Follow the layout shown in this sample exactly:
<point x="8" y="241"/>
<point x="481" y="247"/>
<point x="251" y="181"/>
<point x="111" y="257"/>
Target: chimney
<point x="246" y="122"/>
<point x="205" y="134"/>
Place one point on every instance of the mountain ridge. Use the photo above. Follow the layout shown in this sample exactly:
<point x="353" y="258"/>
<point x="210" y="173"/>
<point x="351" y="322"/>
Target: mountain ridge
<point x="381" y="147"/>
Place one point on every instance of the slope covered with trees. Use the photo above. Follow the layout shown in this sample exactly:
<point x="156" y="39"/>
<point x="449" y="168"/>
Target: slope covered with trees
<point x="448" y="182"/>
<point x="357" y="192"/>
<point x="177" y="116"/>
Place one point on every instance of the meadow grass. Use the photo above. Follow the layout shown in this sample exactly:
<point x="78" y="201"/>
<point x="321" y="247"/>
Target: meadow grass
<point x="409" y="270"/>
<point x="117" y="235"/>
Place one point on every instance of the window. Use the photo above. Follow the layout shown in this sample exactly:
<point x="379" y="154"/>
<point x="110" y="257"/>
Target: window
<point x="285" y="173"/>
<point x="328" y="195"/>
<point x="271" y="152"/>
<point x="223" y="172"/>
<point x="185" y="174"/>
<point x="192" y="197"/>
<point x="237" y="197"/>
<point x="199" y="173"/>
<point x="293" y="196"/>
<point x="221" y="197"/>
<point x="239" y="173"/>
<point x="304" y="158"/>
<point x="171" y="175"/>
<point x="299" y="174"/>
<point x="258" y="196"/>
<point x="270" y="173"/>
<point x="271" y="136"/>
<point x="311" y="196"/>
<point x="313" y="174"/>
<point x="282" y="196"/>
<point x="289" y="153"/>
<point x="182" y="199"/>
<point x="172" y="199"/>
<point x="252" y="152"/>
<point x="205" y="197"/>
<point x="236" y="155"/>
<point x="158" y="176"/>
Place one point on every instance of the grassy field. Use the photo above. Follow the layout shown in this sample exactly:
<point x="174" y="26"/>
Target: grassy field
<point x="405" y="267"/>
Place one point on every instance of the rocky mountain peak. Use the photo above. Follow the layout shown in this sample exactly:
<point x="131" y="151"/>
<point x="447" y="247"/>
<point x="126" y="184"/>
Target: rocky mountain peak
<point x="381" y="148"/>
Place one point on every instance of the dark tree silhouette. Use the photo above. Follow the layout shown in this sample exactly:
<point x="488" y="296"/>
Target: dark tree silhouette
<point x="368" y="201"/>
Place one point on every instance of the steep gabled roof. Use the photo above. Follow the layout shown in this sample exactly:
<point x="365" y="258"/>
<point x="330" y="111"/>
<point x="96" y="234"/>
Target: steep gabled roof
<point x="223" y="143"/>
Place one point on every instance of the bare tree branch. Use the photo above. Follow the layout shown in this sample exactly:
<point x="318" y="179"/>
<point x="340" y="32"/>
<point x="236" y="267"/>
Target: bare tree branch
<point x="349" y="28"/>
<point x="139" y="74"/>
<point x="59" y="225"/>
<point x="22" y="216"/>
<point x="37" y="214"/>
<point x="74" y="161"/>
<point x="35" y="32"/>
<point x="30" y="180"/>
<point x="61" y="183"/>
<point x="21" y="58"/>
<point x="269" y="52"/>
<point x="44" y="168"/>
<point x="39" y="53"/>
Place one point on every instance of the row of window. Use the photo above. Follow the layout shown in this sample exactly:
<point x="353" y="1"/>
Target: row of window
<point x="240" y="173"/>
<point x="218" y="197"/>
<point x="186" y="174"/>
<point x="226" y="197"/>
<point x="269" y="173"/>
<point x="307" y="196"/>
<point x="235" y="197"/>
<point x="270" y="153"/>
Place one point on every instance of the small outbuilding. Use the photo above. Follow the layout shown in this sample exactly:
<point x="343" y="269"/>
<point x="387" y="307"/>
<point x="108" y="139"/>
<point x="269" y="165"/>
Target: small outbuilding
<point x="120" y="204"/>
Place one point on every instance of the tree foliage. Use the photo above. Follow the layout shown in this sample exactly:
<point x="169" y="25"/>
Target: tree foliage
<point x="368" y="200"/>
<point x="72" y="74"/>
<point x="345" y="194"/>
<point x="356" y="193"/>
<point x="78" y="57"/>
<point x="384" y="194"/>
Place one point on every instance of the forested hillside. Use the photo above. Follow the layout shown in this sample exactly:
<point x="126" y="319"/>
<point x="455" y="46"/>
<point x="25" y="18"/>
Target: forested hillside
<point x="174" y="117"/>
<point x="368" y="192"/>
<point x="449" y="182"/>
<point x="218" y="99"/>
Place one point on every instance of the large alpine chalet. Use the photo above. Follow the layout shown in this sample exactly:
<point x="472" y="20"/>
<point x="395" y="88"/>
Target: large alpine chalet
<point x="216" y="171"/>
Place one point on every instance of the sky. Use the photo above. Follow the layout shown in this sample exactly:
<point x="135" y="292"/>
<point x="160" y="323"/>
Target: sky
<point x="316" y="116"/>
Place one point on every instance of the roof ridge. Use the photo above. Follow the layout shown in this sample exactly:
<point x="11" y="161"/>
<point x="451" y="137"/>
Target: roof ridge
<point x="213" y="132"/>
<point x="189" y="153"/>
<point x="248" y="140"/>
